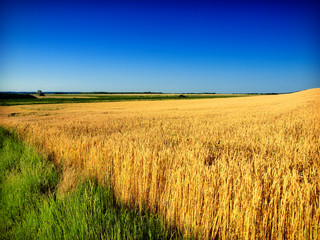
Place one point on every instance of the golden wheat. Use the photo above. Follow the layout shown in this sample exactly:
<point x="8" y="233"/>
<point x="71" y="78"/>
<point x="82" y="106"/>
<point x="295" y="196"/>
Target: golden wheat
<point x="236" y="168"/>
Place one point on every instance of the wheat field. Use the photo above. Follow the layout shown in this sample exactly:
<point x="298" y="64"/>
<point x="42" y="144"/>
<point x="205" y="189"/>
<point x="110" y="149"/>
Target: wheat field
<point x="235" y="168"/>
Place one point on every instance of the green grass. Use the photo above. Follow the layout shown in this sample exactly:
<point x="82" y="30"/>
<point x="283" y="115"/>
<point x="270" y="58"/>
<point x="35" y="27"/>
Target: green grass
<point x="31" y="208"/>
<point x="89" y="98"/>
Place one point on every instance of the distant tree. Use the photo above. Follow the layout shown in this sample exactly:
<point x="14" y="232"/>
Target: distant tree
<point x="40" y="93"/>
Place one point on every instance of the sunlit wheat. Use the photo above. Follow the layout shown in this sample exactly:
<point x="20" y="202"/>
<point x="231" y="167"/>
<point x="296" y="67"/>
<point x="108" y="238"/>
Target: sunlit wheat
<point x="237" y="168"/>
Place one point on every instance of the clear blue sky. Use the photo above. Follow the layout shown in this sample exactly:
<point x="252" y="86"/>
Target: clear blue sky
<point x="168" y="47"/>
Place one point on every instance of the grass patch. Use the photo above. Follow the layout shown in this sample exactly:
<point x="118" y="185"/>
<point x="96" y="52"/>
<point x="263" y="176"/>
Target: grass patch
<point x="31" y="208"/>
<point x="111" y="98"/>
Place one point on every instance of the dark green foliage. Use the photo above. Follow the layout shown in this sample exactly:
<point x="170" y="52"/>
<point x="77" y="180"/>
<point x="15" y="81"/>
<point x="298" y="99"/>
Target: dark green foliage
<point x="31" y="209"/>
<point x="7" y="96"/>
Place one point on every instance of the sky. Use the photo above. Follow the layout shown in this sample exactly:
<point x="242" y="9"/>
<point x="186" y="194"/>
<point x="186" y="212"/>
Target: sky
<point x="159" y="46"/>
